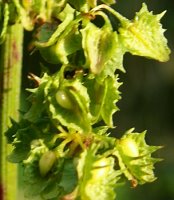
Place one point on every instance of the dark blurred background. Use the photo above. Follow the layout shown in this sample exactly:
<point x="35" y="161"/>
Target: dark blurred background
<point x="147" y="102"/>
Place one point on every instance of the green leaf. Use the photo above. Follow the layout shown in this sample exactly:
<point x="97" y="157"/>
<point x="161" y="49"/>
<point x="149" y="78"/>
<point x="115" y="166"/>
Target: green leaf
<point x="96" y="93"/>
<point x="11" y="131"/>
<point x="90" y="42"/>
<point x="52" y="191"/>
<point x="94" y="47"/>
<point x="21" y="144"/>
<point x="102" y="49"/>
<point x="37" y="100"/>
<point x="144" y="35"/>
<point x="37" y="107"/>
<point x="103" y="98"/>
<point x="115" y="61"/>
<point x="18" y="154"/>
<point x="69" y="176"/>
<point x="21" y="135"/>
<point x="112" y="95"/>
<point x="70" y="44"/>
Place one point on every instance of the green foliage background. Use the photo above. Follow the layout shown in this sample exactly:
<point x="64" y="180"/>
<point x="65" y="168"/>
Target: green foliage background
<point x="147" y="101"/>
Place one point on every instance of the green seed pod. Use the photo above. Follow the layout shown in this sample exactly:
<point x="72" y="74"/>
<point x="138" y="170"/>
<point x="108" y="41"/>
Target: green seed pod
<point x="64" y="99"/>
<point x="101" y="169"/>
<point x="46" y="162"/>
<point x="129" y="147"/>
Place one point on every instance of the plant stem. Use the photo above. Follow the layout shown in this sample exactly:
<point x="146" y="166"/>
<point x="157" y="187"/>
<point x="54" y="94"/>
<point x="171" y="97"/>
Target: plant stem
<point x="10" y="83"/>
<point x="124" y="21"/>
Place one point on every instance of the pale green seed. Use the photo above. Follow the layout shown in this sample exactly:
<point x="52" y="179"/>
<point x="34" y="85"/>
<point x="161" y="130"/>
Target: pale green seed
<point x="46" y="162"/>
<point x="64" y="100"/>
